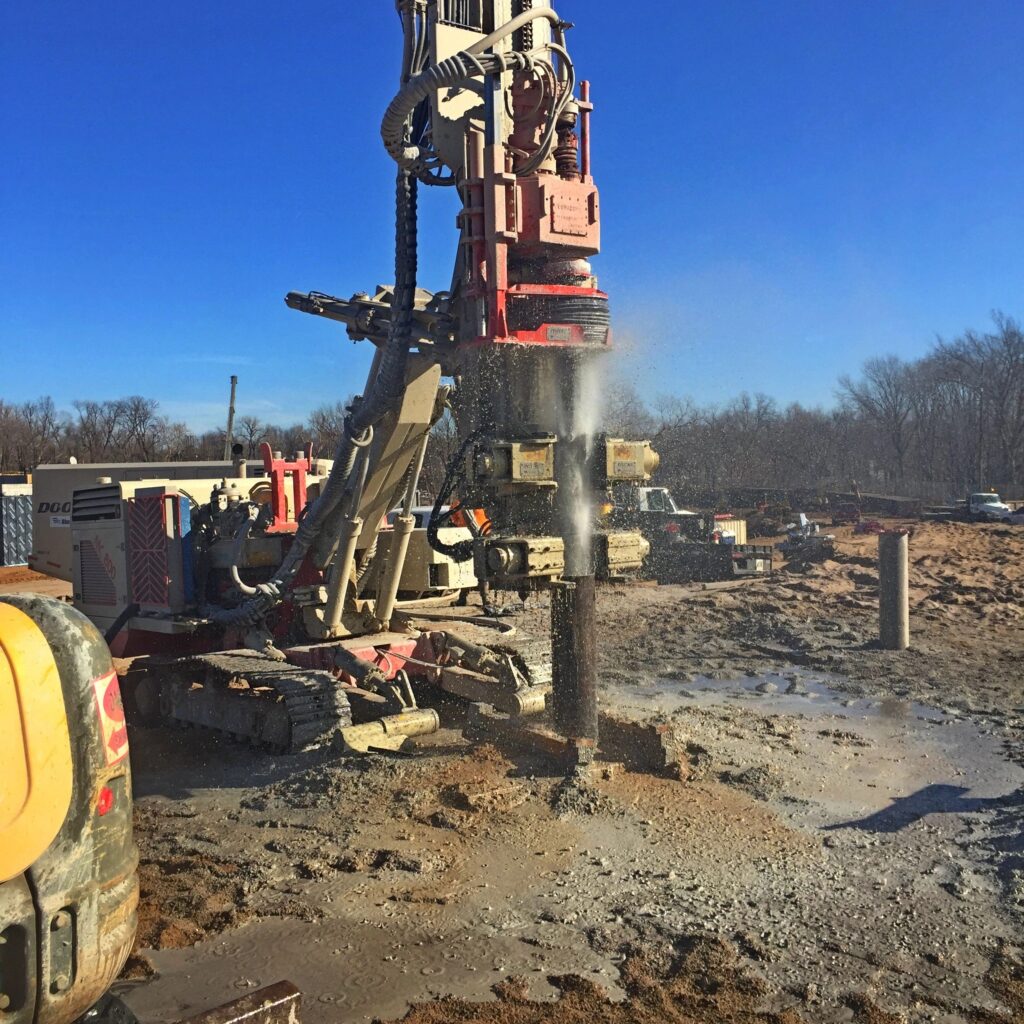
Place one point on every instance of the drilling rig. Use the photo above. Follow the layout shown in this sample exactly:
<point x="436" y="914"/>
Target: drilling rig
<point x="488" y="105"/>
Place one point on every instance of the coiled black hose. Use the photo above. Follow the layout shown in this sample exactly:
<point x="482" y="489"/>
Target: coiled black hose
<point x="456" y="70"/>
<point x="462" y="549"/>
<point x="385" y="389"/>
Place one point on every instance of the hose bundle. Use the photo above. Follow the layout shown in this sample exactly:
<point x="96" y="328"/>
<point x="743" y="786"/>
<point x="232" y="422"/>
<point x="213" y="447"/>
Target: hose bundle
<point x="456" y="70"/>
<point x="385" y="390"/>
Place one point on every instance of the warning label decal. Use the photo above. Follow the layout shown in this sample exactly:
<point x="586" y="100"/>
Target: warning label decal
<point x="111" y="712"/>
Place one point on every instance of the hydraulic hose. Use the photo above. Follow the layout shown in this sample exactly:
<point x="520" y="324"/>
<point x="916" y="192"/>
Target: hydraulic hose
<point x="128" y="612"/>
<point x="385" y="389"/>
<point x="523" y="39"/>
<point x="236" y="554"/>
<point x="547" y="143"/>
<point x="366" y="563"/>
<point x="514" y="26"/>
<point x="463" y="549"/>
<point x="387" y="385"/>
<point x="269" y="594"/>
<point x="456" y="70"/>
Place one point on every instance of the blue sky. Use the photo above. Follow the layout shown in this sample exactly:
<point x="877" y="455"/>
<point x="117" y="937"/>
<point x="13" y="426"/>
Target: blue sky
<point x="788" y="188"/>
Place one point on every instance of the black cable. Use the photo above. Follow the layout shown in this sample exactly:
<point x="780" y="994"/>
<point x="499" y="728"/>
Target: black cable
<point x="128" y="612"/>
<point x="384" y="392"/>
<point x="463" y="549"/>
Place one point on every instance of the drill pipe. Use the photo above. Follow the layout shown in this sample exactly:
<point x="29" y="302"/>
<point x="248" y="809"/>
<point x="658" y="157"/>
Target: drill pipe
<point x="574" y="658"/>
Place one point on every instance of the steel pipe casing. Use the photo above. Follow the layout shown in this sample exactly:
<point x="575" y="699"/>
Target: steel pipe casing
<point x="893" y="591"/>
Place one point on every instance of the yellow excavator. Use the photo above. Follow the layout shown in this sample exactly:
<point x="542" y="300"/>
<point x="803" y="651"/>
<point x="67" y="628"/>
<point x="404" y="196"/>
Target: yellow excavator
<point x="69" y="884"/>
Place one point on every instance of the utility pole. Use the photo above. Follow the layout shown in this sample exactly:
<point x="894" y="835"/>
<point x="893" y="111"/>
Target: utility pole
<point x="229" y="437"/>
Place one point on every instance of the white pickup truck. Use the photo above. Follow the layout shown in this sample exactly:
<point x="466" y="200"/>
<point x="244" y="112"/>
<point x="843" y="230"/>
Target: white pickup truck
<point x="986" y="507"/>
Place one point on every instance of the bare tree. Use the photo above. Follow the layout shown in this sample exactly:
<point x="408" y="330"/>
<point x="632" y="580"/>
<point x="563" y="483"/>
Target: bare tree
<point x="441" y="449"/>
<point x="624" y="412"/>
<point x="251" y="431"/>
<point x="1006" y="349"/>
<point x="145" y="433"/>
<point x="293" y="439"/>
<point x="883" y="394"/>
<point x="98" y="429"/>
<point x="326" y="424"/>
<point x="11" y="427"/>
<point x="43" y="433"/>
<point x="986" y="371"/>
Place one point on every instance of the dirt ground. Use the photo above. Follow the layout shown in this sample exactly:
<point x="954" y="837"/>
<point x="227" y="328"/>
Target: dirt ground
<point x="844" y="840"/>
<point x="15" y="578"/>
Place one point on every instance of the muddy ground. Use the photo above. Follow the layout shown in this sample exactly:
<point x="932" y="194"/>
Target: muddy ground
<point x="967" y="608"/>
<point x="845" y="842"/>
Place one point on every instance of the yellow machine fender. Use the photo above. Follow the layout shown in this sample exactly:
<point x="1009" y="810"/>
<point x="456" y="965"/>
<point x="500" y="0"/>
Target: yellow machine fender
<point x="68" y="915"/>
<point x="35" y="749"/>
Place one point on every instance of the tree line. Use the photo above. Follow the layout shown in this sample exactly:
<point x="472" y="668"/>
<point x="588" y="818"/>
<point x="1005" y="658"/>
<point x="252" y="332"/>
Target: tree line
<point x="932" y="427"/>
<point x="132" y="430"/>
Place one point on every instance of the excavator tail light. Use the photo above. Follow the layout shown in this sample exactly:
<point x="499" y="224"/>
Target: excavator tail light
<point x="105" y="801"/>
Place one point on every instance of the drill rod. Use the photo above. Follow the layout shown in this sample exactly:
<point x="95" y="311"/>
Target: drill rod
<point x="574" y="658"/>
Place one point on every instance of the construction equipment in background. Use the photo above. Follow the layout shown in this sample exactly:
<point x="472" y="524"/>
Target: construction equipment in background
<point x="428" y="573"/>
<point x="69" y="885"/>
<point x="846" y="514"/>
<point x="105" y="553"/>
<point x="688" y="546"/>
<point x="977" y="507"/>
<point x="985" y="507"/>
<point x="284" y="592"/>
<point x="54" y="485"/>
<point x="806" y="543"/>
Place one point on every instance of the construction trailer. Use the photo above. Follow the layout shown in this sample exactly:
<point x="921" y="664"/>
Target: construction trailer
<point x="53" y="487"/>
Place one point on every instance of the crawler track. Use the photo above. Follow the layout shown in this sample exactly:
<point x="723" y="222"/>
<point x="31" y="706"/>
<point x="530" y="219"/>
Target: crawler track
<point x="532" y="656"/>
<point x="269" y="703"/>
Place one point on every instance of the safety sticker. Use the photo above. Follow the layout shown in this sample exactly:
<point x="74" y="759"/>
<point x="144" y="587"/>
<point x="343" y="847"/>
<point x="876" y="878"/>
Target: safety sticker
<point x="111" y="712"/>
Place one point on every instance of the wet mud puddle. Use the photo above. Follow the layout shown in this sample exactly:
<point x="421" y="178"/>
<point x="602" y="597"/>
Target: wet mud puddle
<point x="887" y="756"/>
<point x="843" y="846"/>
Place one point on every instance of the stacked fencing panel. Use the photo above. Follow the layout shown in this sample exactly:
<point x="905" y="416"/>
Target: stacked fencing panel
<point x="15" y="528"/>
